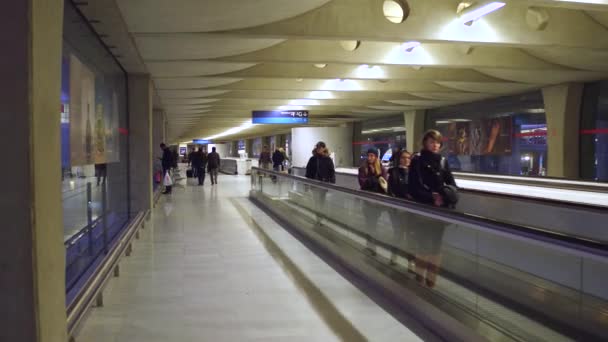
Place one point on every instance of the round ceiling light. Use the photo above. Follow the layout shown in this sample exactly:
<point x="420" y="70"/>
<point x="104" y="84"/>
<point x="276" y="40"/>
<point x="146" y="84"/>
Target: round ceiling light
<point x="396" y="11"/>
<point x="350" y="45"/>
<point x="320" y="65"/>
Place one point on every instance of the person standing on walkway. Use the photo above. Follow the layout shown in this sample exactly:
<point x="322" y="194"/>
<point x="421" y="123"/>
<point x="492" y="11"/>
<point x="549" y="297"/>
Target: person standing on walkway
<point x="320" y="167"/>
<point x="372" y="178"/>
<point x="265" y="159"/>
<point x="213" y="165"/>
<point x="398" y="186"/>
<point x="167" y="163"/>
<point x="430" y="182"/>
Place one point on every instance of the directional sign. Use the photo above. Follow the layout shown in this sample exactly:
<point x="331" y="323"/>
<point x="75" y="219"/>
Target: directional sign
<point x="279" y="117"/>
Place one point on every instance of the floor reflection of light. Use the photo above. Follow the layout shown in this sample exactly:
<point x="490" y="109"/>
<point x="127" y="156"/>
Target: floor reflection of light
<point x="321" y="94"/>
<point x="368" y="71"/>
<point x="480" y="31"/>
<point x="341" y="85"/>
<point x="72" y="185"/>
<point x="418" y="56"/>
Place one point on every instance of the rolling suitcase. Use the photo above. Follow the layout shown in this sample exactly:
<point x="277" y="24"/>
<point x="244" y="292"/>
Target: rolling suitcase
<point x="189" y="173"/>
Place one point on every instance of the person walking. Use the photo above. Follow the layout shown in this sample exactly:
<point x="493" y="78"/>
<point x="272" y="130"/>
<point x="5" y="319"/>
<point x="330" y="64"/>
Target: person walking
<point x="398" y="186"/>
<point x="430" y="182"/>
<point x="196" y="160"/>
<point x="201" y="170"/>
<point x="213" y="165"/>
<point x="101" y="171"/>
<point x="278" y="158"/>
<point x="372" y="178"/>
<point x="167" y="164"/>
<point x="265" y="159"/>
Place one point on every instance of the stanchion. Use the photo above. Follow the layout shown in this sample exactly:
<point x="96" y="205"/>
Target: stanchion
<point x="90" y="217"/>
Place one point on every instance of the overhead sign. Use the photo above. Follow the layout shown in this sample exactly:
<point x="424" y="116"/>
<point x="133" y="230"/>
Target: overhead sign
<point x="280" y="117"/>
<point x="201" y="142"/>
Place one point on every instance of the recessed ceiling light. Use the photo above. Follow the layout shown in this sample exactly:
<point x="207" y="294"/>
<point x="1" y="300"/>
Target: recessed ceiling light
<point x="320" y="65"/>
<point x="350" y="45"/>
<point x="299" y="79"/>
<point x="395" y="11"/>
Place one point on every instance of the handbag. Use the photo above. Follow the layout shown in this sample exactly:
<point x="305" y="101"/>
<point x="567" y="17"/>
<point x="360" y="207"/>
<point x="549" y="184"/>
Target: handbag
<point x="383" y="184"/>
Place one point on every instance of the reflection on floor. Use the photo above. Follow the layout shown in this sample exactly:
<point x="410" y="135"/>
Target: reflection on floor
<point x="205" y="271"/>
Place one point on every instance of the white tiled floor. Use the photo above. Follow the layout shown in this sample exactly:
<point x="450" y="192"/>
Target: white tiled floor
<point x="203" y="271"/>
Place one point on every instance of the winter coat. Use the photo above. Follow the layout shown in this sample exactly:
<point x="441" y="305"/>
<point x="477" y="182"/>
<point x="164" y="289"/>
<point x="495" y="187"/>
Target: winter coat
<point x="368" y="181"/>
<point x="429" y="173"/>
<point x="265" y="158"/>
<point x="213" y="160"/>
<point x="398" y="182"/>
<point x="321" y="167"/>
<point x="278" y="158"/>
<point x="167" y="159"/>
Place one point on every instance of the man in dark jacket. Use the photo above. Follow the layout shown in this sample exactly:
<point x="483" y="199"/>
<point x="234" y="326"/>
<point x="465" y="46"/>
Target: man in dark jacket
<point x="196" y="159"/>
<point x="320" y="166"/>
<point x="277" y="160"/>
<point x="213" y="165"/>
<point x="167" y="164"/>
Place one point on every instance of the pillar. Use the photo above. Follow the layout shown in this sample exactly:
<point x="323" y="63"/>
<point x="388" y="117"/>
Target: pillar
<point x="249" y="148"/>
<point x="140" y="142"/>
<point x="32" y="255"/>
<point x="414" y="129"/>
<point x="339" y="140"/>
<point x="562" y="108"/>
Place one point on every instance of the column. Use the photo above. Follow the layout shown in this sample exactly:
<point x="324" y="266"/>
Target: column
<point x="249" y="148"/>
<point x="414" y="129"/>
<point x="140" y="142"/>
<point x="32" y="255"/>
<point x="339" y="140"/>
<point x="562" y="108"/>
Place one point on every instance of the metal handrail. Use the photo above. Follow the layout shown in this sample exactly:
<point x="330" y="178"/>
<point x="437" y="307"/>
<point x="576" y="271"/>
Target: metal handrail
<point x="553" y="202"/>
<point x="594" y="248"/>
<point x="102" y="272"/>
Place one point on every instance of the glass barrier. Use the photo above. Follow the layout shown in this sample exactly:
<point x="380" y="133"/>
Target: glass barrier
<point x="529" y="289"/>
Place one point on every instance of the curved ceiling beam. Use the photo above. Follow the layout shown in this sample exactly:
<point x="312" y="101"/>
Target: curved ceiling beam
<point x="364" y="20"/>
<point x="197" y="46"/>
<point x="381" y="53"/>
<point x="209" y="15"/>
<point x="353" y="71"/>
<point x="588" y="60"/>
<point x="194" y="68"/>
<point x="543" y="76"/>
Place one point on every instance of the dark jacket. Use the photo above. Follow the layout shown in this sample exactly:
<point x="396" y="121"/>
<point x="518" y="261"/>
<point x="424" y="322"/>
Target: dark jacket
<point x="167" y="159"/>
<point x="321" y="167"/>
<point x="368" y="181"/>
<point x="196" y="159"/>
<point x="398" y="182"/>
<point x="213" y="160"/>
<point x="265" y="157"/>
<point x="427" y="175"/>
<point x="174" y="158"/>
<point x="278" y="158"/>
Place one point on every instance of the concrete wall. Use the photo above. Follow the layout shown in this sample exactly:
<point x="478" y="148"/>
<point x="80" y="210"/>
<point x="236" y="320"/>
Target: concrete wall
<point x="338" y="139"/>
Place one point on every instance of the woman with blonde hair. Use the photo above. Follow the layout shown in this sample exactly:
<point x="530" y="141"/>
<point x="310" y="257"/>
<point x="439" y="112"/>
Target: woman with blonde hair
<point x="373" y="178"/>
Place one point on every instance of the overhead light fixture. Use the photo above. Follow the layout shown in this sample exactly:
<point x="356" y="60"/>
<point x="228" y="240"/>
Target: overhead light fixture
<point x="320" y="65"/>
<point x="299" y="79"/>
<point x="468" y="12"/>
<point x="410" y="46"/>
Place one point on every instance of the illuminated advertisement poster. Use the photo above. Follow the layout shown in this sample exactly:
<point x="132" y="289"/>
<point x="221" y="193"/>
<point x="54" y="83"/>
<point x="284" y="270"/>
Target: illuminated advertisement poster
<point x="93" y="117"/>
<point x="479" y="137"/>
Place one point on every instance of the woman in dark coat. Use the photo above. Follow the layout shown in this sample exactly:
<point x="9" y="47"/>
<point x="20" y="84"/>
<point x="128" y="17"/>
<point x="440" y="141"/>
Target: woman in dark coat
<point x="428" y="177"/>
<point x="320" y="167"/>
<point x="398" y="186"/>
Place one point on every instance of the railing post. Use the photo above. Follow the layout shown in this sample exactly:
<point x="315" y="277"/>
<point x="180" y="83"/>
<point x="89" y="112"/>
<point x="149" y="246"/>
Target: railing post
<point x="90" y="217"/>
<point x="104" y="219"/>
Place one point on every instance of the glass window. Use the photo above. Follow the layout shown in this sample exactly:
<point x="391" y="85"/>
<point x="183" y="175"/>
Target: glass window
<point x="94" y="151"/>
<point x="505" y="136"/>
<point x="594" y="132"/>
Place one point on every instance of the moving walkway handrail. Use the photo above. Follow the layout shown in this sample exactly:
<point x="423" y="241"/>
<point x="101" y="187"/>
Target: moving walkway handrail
<point x="547" y="182"/>
<point x="522" y="181"/>
<point x="577" y="244"/>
